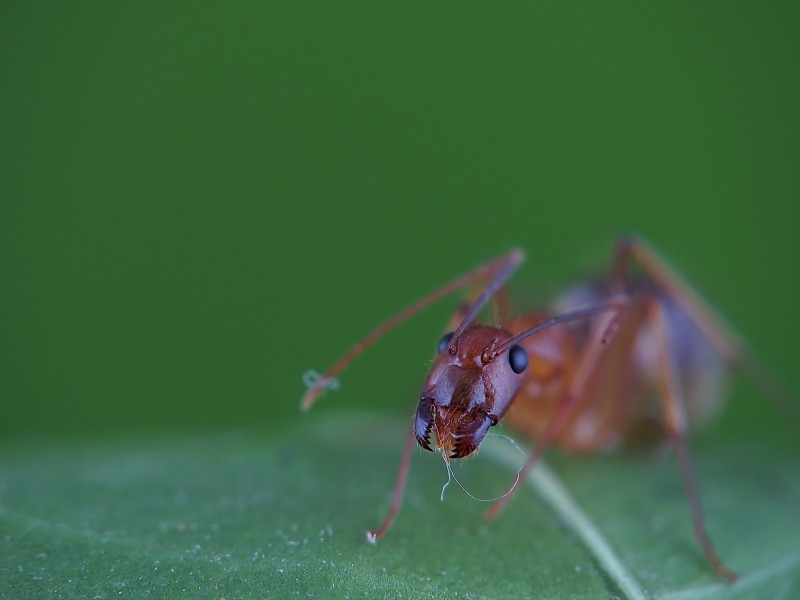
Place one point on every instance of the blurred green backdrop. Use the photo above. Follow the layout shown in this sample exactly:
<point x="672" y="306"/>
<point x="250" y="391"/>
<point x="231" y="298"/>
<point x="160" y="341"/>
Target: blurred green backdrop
<point x="200" y="201"/>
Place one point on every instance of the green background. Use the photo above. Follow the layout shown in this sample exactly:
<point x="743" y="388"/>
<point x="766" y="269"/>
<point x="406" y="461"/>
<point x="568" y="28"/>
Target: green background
<point x="200" y="201"/>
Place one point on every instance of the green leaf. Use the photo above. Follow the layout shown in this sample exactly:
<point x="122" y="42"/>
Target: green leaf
<point x="250" y="515"/>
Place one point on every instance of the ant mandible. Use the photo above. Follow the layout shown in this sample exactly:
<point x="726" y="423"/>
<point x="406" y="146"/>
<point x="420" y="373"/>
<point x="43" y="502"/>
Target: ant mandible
<point x="643" y="345"/>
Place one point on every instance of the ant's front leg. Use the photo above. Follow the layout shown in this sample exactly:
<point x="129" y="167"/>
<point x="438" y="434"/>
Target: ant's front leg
<point x="493" y="275"/>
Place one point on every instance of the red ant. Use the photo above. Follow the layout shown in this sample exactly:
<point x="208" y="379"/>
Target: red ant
<point x="643" y="346"/>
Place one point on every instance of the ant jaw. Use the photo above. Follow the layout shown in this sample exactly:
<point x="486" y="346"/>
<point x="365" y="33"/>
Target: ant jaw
<point x="469" y="434"/>
<point x="462" y="450"/>
<point x="423" y="423"/>
<point x="425" y="441"/>
<point x="459" y="432"/>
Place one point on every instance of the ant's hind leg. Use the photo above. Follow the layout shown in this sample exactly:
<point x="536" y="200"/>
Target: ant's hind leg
<point x="731" y="347"/>
<point x="721" y="335"/>
<point x="674" y="413"/>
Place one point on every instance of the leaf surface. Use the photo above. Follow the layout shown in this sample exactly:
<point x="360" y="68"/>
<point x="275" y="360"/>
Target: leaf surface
<point x="248" y="515"/>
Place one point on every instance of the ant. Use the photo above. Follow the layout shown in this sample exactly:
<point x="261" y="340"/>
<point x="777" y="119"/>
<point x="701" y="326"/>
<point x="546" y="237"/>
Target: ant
<point x="642" y="346"/>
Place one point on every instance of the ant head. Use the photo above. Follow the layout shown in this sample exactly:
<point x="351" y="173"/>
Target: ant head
<point x="469" y="389"/>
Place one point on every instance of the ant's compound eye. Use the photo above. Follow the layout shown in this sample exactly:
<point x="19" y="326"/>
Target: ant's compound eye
<point x="444" y="342"/>
<point x="517" y="358"/>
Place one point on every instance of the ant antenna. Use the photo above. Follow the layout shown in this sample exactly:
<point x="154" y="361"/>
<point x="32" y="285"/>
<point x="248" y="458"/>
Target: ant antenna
<point x="314" y="380"/>
<point x="497" y="271"/>
<point x="573" y="315"/>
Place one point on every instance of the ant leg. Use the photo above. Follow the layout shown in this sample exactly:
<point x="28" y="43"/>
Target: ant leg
<point x="603" y="350"/>
<point x="674" y="411"/>
<point x="722" y="336"/>
<point x="495" y="273"/>
<point x="499" y="305"/>
<point x="399" y="488"/>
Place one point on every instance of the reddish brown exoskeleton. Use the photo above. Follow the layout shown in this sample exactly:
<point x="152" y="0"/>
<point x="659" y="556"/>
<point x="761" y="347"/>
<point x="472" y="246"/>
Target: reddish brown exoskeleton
<point x="635" y="347"/>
